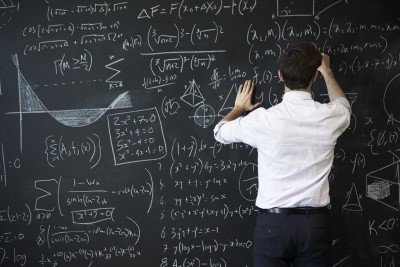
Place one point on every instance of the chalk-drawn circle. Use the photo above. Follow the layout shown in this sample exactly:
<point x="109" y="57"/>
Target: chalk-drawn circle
<point x="248" y="182"/>
<point x="204" y="115"/>
<point x="391" y="98"/>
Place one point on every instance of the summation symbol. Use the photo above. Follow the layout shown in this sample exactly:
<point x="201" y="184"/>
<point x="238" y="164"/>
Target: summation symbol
<point x="192" y="95"/>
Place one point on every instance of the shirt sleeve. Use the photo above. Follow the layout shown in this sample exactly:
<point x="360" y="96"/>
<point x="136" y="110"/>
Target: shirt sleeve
<point x="344" y="122"/>
<point x="235" y="131"/>
<point x="343" y="101"/>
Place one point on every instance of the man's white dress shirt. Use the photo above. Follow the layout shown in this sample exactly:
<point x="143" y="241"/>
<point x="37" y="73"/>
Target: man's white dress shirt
<point x="295" y="141"/>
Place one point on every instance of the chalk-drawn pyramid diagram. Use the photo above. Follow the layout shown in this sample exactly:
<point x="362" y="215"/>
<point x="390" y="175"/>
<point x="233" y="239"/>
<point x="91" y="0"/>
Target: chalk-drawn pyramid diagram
<point x="383" y="185"/>
<point x="192" y="95"/>
<point x="30" y="103"/>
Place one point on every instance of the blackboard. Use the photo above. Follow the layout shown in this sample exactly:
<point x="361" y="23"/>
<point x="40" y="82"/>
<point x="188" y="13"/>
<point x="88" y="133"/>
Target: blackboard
<point x="107" y="156"/>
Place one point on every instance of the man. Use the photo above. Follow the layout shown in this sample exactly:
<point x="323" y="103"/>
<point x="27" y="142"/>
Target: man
<point x="295" y="140"/>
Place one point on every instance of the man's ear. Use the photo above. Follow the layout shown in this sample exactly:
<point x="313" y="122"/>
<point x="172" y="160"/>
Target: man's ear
<point x="280" y="75"/>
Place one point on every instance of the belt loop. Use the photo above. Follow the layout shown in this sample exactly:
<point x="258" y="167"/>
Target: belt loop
<point x="306" y="212"/>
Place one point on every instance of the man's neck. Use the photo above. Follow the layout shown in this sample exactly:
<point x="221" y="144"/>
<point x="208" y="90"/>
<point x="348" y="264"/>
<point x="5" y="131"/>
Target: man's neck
<point x="308" y="89"/>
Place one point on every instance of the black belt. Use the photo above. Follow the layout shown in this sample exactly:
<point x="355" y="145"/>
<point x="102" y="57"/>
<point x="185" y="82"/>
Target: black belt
<point x="299" y="210"/>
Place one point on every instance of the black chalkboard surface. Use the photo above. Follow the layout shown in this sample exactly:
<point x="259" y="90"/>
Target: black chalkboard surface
<point x="107" y="155"/>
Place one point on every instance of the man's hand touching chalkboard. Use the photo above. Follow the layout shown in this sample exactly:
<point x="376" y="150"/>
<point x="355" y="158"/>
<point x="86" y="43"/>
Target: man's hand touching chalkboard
<point x="333" y="87"/>
<point x="243" y="101"/>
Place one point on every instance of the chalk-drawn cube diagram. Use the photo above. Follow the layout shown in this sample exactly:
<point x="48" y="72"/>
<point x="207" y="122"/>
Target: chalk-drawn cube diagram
<point x="383" y="185"/>
<point x="136" y="136"/>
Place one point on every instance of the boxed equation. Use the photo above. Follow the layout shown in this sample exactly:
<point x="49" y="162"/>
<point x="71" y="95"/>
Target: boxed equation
<point x="136" y="136"/>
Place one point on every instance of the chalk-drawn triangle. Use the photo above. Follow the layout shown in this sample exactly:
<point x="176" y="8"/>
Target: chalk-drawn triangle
<point x="230" y="98"/>
<point x="389" y="173"/>
<point x="29" y="101"/>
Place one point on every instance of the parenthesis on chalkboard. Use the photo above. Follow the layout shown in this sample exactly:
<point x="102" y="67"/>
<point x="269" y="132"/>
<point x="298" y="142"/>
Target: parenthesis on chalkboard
<point x="46" y="151"/>
<point x="323" y="47"/>
<point x="217" y="34"/>
<point x="283" y="30"/>
<point x="72" y="28"/>
<point x="138" y="228"/>
<point x="330" y="28"/>
<point x="386" y="43"/>
<point x="352" y="64"/>
<point x="87" y="238"/>
<point x="148" y="39"/>
<point x="250" y="50"/>
<point x="30" y="215"/>
<point x="152" y="190"/>
<point x="198" y="261"/>
<point x="151" y="66"/>
<point x="216" y="244"/>
<point x="172" y="150"/>
<point x="240" y="211"/>
<point x="220" y="7"/>
<point x="248" y="34"/>
<point x="58" y="196"/>
<point x="95" y="150"/>
<point x="171" y="215"/>
<point x="177" y="34"/>
<point x="201" y="166"/>
<point x="180" y="8"/>
<point x="170" y="169"/>
<point x="195" y="145"/>
<point x="280" y="52"/>
<point x="319" y="30"/>
<point x="279" y="30"/>
<point x="191" y="62"/>
<point x="49" y="13"/>
<point x="390" y="62"/>
<point x="227" y="211"/>
<point x="191" y="34"/>
<point x="91" y="59"/>
<point x="254" y="6"/>
<point x="240" y="11"/>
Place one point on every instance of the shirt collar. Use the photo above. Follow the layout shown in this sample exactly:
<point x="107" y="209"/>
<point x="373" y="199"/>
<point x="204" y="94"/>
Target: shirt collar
<point x="295" y="94"/>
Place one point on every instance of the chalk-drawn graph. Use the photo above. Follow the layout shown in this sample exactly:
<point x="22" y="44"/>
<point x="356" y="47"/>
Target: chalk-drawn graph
<point x="383" y="185"/>
<point x="290" y="8"/>
<point x="29" y="103"/>
<point x="204" y="115"/>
